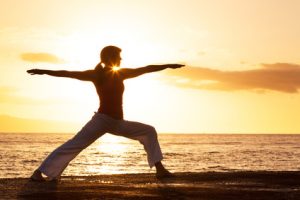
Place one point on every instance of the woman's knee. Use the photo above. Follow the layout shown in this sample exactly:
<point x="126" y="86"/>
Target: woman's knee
<point x="151" y="131"/>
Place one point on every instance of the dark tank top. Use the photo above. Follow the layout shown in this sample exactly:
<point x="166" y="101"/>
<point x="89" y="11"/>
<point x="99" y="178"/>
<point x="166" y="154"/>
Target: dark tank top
<point x="110" y="89"/>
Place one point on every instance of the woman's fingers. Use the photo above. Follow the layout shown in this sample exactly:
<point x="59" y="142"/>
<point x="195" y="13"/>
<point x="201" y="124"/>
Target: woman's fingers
<point x="174" y="66"/>
<point x="34" y="71"/>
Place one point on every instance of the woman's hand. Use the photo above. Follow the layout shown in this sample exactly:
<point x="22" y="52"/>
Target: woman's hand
<point x="36" y="71"/>
<point x="174" y="66"/>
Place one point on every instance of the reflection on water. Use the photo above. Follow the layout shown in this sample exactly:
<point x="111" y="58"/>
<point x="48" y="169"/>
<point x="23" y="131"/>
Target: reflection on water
<point x="20" y="154"/>
<point x="105" y="148"/>
<point x="112" y="145"/>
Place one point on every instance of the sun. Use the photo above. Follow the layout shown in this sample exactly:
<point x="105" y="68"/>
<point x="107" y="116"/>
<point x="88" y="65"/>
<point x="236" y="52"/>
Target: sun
<point x="115" y="68"/>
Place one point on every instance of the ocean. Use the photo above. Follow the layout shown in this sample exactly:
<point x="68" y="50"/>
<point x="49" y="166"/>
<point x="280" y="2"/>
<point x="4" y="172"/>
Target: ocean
<point x="21" y="153"/>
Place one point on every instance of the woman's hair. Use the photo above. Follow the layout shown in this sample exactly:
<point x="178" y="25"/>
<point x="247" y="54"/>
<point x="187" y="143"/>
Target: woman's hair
<point x="109" y="54"/>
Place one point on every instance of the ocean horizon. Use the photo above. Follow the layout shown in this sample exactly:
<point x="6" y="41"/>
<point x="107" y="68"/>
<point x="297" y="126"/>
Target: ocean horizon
<point x="21" y="153"/>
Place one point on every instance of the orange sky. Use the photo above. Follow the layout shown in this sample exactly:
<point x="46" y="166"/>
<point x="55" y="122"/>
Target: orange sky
<point x="242" y="57"/>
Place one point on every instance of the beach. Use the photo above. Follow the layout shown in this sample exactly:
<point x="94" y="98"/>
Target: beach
<point x="250" y="185"/>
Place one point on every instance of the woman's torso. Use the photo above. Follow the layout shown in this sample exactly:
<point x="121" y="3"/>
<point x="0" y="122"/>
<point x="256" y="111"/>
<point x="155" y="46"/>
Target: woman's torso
<point x="110" y="89"/>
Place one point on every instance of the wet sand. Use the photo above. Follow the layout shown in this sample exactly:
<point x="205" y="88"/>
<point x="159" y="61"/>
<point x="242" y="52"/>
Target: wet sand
<point x="206" y="185"/>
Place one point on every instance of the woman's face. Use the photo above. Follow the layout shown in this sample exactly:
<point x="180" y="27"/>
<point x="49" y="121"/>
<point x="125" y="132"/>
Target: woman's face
<point x="116" y="62"/>
<point x="119" y="60"/>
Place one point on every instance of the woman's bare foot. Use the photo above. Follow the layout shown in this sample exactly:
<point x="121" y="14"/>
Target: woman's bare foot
<point x="37" y="176"/>
<point x="162" y="172"/>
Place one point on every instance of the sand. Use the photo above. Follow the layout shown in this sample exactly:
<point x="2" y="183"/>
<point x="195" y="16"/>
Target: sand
<point x="206" y="185"/>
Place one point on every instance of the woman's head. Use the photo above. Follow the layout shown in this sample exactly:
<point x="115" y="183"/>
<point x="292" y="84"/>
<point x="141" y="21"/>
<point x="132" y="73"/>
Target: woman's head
<point x="110" y="56"/>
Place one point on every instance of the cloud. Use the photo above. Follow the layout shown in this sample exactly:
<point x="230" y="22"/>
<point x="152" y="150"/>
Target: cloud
<point x="41" y="57"/>
<point x="282" y="77"/>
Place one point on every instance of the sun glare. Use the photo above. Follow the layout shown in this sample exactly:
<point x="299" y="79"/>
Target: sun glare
<point x="115" y="69"/>
<point x="112" y="144"/>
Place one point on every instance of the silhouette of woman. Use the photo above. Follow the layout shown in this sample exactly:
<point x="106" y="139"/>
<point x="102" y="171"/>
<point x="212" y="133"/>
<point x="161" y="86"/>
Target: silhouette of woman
<point x="108" y="79"/>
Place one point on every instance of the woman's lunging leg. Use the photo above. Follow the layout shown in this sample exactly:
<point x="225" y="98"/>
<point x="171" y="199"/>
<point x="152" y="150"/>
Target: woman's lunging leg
<point x="147" y="136"/>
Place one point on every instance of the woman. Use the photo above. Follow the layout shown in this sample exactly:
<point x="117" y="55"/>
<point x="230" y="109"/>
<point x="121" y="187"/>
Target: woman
<point x="108" y="79"/>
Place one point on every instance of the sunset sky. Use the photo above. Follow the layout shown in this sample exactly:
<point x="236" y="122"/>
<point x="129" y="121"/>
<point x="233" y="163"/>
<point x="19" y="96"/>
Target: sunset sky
<point x="242" y="60"/>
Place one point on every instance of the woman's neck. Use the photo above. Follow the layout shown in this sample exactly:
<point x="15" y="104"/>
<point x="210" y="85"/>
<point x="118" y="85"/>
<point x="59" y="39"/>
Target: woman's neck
<point x="108" y="66"/>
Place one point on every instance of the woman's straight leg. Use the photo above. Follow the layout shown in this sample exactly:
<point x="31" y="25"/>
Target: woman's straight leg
<point x="59" y="159"/>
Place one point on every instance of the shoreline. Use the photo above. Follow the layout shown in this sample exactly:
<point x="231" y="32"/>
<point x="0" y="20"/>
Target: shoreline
<point x="205" y="185"/>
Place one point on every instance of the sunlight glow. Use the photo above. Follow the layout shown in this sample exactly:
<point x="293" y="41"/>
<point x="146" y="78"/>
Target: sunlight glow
<point x="74" y="35"/>
<point x="111" y="144"/>
<point x="115" y="68"/>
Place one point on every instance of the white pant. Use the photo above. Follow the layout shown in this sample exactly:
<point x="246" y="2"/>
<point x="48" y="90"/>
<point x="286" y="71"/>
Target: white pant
<point x="59" y="159"/>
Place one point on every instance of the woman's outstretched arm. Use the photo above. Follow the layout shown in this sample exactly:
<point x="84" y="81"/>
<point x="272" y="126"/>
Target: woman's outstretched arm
<point x="131" y="73"/>
<point x="81" y="75"/>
